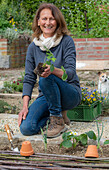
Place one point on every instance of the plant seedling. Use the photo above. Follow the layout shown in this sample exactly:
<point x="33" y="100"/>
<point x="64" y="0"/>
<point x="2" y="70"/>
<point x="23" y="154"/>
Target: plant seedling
<point x="45" y="136"/>
<point x="47" y="61"/>
<point x="49" y="57"/>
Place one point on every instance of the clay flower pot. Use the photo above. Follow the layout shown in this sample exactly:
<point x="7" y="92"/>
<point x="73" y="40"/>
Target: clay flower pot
<point x="91" y="152"/>
<point x="26" y="149"/>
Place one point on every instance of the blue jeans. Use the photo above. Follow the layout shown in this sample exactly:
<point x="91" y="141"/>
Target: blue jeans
<point x="58" y="95"/>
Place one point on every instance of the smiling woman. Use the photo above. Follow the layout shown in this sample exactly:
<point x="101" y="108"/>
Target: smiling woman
<point x="47" y="23"/>
<point x="55" y="95"/>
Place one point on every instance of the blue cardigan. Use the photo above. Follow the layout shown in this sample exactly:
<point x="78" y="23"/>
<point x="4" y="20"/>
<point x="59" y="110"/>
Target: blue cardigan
<point x="65" y="55"/>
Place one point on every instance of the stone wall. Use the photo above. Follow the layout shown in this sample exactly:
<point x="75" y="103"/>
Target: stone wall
<point x="13" y="54"/>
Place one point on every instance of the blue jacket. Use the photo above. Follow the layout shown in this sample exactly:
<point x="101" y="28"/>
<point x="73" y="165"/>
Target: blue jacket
<point x="65" y="55"/>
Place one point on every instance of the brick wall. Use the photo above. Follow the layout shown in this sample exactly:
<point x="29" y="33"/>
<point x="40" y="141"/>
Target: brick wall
<point x="4" y="57"/>
<point x="13" y="54"/>
<point x="92" y="48"/>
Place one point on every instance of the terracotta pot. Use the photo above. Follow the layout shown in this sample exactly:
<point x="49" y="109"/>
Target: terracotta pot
<point x="26" y="149"/>
<point x="91" y="152"/>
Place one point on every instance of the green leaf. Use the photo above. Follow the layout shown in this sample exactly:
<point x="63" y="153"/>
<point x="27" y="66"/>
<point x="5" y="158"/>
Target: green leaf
<point x="67" y="143"/>
<point x="64" y="76"/>
<point x="83" y="139"/>
<point x="48" y="62"/>
<point x="63" y="68"/>
<point x="74" y="145"/>
<point x="65" y="135"/>
<point x="53" y="59"/>
<point x="49" y="57"/>
<point x="52" y="68"/>
<point x="91" y="135"/>
<point x="106" y="142"/>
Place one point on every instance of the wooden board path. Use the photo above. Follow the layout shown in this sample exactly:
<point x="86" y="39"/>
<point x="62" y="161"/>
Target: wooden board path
<point x="13" y="160"/>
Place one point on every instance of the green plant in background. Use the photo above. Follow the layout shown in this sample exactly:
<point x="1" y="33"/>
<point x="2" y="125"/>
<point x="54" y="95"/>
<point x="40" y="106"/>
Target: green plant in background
<point x="97" y="14"/>
<point x="77" y="23"/>
<point x="84" y="18"/>
<point x="7" y="108"/>
<point x="44" y="135"/>
<point x="11" y="34"/>
<point x="3" y="105"/>
<point x="11" y="87"/>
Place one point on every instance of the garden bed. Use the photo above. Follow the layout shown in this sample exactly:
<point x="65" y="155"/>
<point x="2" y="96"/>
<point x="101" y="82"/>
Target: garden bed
<point x="52" y="148"/>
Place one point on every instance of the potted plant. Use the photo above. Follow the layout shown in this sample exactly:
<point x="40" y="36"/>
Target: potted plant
<point x="47" y="61"/>
<point x="89" y="108"/>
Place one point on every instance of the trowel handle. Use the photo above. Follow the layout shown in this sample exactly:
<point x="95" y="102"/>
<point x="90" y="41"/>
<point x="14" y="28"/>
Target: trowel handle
<point x="8" y="132"/>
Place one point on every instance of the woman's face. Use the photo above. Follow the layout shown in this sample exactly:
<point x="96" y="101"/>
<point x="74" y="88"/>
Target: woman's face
<point x="47" y="23"/>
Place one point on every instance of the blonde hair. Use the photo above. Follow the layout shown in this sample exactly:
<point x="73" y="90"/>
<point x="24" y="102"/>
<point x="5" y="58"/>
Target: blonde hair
<point x="61" y="24"/>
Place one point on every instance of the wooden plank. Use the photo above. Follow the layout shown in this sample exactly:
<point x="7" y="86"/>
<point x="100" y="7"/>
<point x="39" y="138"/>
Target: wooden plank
<point x="55" y="155"/>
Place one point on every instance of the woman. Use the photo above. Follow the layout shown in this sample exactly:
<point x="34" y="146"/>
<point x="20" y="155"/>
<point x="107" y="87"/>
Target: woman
<point x="55" y="95"/>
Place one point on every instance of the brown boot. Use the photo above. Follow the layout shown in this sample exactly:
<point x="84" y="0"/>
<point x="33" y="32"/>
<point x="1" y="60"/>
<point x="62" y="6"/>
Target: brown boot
<point x="66" y="119"/>
<point x="56" y="127"/>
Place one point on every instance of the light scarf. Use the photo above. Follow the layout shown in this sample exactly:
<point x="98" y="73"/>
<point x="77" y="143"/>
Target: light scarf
<point x="47" y="42"/>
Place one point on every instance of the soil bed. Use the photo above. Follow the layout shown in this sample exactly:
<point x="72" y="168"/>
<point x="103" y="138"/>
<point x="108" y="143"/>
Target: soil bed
<point x="38" y="147"/>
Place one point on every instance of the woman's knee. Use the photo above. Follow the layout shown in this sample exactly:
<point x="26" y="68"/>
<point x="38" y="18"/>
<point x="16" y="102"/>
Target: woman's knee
<point x="45" y="81"/>
<point x="25" y="129"/>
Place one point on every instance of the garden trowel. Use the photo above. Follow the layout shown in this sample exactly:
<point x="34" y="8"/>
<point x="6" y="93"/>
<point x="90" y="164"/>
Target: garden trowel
<point x="10" y="138"/>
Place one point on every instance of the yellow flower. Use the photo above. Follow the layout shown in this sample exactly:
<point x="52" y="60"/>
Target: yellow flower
<point x="10" y="21"/>
<point x="16" y="29"/>
<point x="88" y="99"/>
<point x="91" y="95"/>
<point x="94" y="99"/>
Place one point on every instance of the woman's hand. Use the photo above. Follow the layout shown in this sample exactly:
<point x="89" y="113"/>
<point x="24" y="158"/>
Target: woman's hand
<point x="22" y="115"/>
<point x="57" y="72"/>
<point x="24" y="111"/>
<point x="46" y="72"/>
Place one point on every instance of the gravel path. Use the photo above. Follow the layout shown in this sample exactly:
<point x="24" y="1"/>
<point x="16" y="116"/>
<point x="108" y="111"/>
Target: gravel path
<point x="78" y="127"/>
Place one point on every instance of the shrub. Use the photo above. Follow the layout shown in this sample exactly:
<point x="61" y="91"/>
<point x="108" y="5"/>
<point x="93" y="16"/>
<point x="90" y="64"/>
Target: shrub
<point x="11" y="87"/>
<point x="3" y="107"/>
<point x="83" y="18"/>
